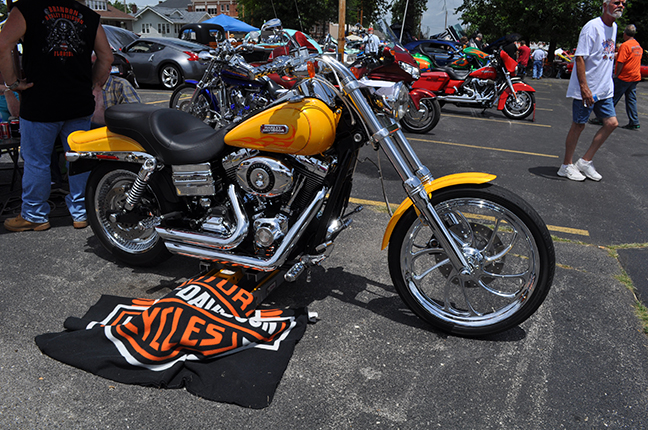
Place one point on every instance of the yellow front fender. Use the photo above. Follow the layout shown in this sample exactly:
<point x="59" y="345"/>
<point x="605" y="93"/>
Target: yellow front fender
<point x="437" y="184"/>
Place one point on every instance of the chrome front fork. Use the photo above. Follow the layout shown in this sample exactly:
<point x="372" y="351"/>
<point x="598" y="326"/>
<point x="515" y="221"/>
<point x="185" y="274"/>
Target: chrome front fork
<point x="412" y="172"/>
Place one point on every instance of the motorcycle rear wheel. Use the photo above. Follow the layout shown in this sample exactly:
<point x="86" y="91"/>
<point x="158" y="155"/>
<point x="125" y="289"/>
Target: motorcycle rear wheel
<point x="423" y="120"/>
<point x="507" y="245"/>
<point x="520" y="108"/>
<point x="122" y="234"/>
<point x="181" y="100"/>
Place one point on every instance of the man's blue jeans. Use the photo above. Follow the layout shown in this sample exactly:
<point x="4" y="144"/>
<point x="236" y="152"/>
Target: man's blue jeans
<point x="36" y="144"/>
<point x="630" y="91"/>
<point x="537" y="69"/>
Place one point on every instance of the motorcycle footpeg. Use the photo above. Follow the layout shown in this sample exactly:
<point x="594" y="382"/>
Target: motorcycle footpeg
<point x="293" y="273"/>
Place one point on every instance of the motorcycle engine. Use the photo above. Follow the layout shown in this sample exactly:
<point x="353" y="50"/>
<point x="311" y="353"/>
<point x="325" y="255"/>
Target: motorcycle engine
<point x="483" y="88"/>
<point x="276" y="187"/>
<point x="264" y="176"/>
<point x="247" y="101"/>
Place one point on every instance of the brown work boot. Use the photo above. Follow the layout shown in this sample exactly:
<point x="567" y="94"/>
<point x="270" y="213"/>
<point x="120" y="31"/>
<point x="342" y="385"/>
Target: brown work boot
<point x="20" y="224"/>
<point x="80" y="224"/>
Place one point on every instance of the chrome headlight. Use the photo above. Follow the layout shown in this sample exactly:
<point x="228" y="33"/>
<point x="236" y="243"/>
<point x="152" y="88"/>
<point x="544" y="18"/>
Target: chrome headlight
<point x="413" y="71"/>
<point x="398" y="100"/>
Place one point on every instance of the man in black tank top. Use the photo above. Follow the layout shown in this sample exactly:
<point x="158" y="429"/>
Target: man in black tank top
<point x="58" y="37"/>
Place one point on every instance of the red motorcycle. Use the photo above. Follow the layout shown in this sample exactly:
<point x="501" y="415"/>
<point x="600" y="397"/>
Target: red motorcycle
<point x="395" y="64"/>
<point x="494" y="85"/>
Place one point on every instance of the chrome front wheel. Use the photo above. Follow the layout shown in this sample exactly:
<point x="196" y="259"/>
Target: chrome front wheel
<point x="508" y="249"/>
<point x="520" y="107"/>
<point x="424" y="119"/>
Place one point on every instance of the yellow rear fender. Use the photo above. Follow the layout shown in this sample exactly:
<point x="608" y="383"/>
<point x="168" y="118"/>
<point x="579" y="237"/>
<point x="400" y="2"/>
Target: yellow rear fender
<point x="102" y="140"/>
<point x="437" y="184"/>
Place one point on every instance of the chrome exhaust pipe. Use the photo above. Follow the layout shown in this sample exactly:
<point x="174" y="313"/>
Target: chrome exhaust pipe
<point x="212" y="240"/>
<point x="194" y="250"/>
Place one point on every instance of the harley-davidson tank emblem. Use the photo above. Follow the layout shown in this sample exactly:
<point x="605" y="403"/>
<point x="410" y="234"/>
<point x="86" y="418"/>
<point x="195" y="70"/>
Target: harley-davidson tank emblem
<point x="274" y="129"/>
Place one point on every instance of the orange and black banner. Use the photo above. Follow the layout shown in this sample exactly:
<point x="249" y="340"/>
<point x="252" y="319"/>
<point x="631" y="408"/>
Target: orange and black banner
<point x="206" y="327"/>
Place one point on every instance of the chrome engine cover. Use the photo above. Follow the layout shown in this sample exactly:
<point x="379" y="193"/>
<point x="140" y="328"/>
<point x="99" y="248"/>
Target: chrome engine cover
<point x="264" y="176"/>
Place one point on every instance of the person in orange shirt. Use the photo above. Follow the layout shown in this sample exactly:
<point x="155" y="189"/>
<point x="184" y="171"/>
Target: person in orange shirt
<point x="627" y="74"/>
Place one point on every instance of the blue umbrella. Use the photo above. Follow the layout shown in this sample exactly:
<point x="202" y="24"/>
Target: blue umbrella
<point x="231" y="24"/>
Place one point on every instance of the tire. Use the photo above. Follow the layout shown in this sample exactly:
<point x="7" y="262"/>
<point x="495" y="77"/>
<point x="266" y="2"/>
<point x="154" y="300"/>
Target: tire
<point x="521" y="108"/>
<point x="423" y="120"/>
<point x="170" y="76"/>
<point x="181" y="100"/>
<point x="105" y="195"/>
<point x="506" y="242"/>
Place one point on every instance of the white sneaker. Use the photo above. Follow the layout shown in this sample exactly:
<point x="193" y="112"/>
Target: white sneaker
<point x="570" y="172"/>
<point x="588" y="169"/>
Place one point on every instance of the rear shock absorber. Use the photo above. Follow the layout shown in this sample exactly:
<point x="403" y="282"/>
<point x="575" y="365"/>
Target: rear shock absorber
<point x="135" y="193"/>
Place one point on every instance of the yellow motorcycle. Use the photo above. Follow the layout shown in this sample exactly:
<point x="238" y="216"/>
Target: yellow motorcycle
<point x="261" y="201"/>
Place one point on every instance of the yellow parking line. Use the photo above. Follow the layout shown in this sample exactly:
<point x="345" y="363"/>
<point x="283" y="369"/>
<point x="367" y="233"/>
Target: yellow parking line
<point x="550" y="110"/>
<point x="394" y="206"/>
<point x="568" y="230"/>
<point x="495" y="120"/>
<point x="159" y="101"/>
<point x="484" y="147"/>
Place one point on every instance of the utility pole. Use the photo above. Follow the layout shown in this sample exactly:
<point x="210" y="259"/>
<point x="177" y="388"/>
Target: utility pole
<point x="342" y="25"/>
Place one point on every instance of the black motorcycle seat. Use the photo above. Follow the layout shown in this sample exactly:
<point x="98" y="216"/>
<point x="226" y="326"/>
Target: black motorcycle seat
<point x="274" y="89"/>
<point x="172" y="136"/>
<point x="455" y="74"/>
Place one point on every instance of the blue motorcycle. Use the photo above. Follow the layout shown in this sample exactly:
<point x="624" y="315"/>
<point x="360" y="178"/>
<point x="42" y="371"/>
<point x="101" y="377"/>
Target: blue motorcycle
<point x="228" y="90"/>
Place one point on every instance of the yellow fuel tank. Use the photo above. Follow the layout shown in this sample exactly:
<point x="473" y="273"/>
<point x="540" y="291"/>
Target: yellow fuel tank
<point x="306" y="127"/>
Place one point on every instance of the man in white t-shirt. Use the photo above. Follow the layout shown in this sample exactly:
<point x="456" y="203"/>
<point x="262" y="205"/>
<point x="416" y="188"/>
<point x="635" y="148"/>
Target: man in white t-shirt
<point x="592" y="89"/>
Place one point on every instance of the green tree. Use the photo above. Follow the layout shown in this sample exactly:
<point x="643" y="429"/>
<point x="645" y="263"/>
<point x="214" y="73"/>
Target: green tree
<point x="415" y="9"/>
<point x="555" y="21"/>
<point x="3" y="11"/>
<point x="128" y="8"/>
<point x="303" y="14"/>
<point x="637" y="14"/>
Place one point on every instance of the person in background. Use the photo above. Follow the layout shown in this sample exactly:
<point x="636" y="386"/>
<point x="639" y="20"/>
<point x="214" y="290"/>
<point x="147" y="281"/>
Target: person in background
<point x="538" y="61"/>
<point x="9" y="102"/>
<point x="371" y="42"/>
<point x="524" y="53"/>
<point x="476" y="42"/>
<point x="115" y="91"/>
<point x="592" y="89"/>
<point x="627" y="73"/>
<point x="56" y="96"/>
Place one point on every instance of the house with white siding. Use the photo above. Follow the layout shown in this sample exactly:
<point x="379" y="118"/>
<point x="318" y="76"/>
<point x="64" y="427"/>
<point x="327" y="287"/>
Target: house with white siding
<point x="160" y="21"/>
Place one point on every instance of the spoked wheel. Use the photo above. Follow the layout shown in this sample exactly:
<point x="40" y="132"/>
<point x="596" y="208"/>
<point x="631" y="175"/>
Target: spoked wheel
<point x="520" y="108"/>
<point x="170" y="76"/>
<point x="423" y="120"/>
<point x="181" y="100"/>
<point x="126" y="235"/>
<point x="507" y="246"/>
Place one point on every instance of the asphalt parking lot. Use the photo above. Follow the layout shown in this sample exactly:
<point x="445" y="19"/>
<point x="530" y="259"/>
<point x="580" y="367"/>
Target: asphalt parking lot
<point x="581" y="362"/>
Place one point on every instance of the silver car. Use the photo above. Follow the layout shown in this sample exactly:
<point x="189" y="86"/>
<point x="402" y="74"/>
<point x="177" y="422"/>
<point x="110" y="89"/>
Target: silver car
<point x="165" y="61"/>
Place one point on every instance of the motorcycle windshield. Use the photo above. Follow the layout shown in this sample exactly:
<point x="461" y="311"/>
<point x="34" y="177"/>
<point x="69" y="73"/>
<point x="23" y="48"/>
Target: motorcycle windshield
<point x="386" y="35"/>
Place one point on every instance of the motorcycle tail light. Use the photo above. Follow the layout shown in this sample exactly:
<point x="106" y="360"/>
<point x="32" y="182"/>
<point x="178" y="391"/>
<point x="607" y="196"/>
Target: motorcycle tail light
<point x="192" y="56"/>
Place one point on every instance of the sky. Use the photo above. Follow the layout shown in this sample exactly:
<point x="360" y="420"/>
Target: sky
<point x="434" y="17"/>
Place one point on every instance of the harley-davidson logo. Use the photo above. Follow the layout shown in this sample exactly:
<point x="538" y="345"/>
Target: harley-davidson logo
<point x="274" y="129"/>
